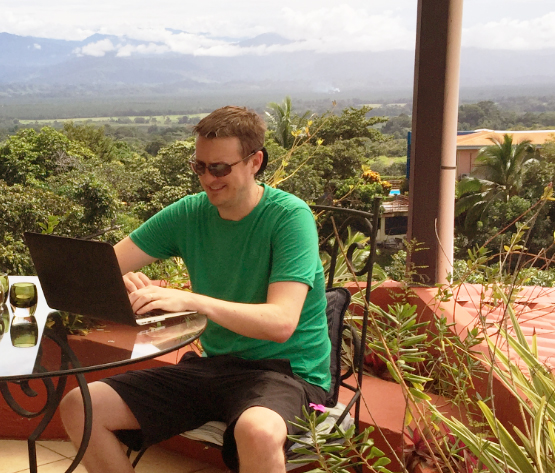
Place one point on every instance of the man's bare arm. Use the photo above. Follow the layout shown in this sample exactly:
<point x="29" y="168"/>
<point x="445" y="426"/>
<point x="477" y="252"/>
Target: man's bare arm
<point x="130" y="256"/>
<point x="275" y="320"/>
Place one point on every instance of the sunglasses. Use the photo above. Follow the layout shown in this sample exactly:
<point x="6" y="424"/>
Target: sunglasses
<point x="216" y="169"/>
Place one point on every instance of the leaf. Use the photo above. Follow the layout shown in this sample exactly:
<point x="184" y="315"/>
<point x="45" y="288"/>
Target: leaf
<point x="376" y="452"/>
<point x="419" y="394"/>
<point x="519" y="460"/>
<point x="381" y="462"/>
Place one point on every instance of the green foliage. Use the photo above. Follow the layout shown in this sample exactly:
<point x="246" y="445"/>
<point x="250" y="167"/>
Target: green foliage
<point x="98" y="199"/>
<point x="344" y="269"/>
<point x="284" y="124"/>
<point x="485" y="114"/>
<point x="398" y="126"/>
<point x="501" y="215"/>
<point x="339" y="451"/>
<point x="173" y="164"/>
<point x="501" y="170"/>
<point x="532" y="384"/>
<point x="25" y="209"/>
<point x="167" y="178"/>
<point x="331" y="153"/>
<point x="93" y="138"/>
<point x="284" y="171"/>
<point x="395" y="337"/>
<point x="48" y="228"/>
<point x="395" y="168"/>
<point x="453" y="364"/>
<point x="351" y="124"/>
<point x="397" y="270"/>
<point x="29" y="156"/>
<point x="504" y="164"/>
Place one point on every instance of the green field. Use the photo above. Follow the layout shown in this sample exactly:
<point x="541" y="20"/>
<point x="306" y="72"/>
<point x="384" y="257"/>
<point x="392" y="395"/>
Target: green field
<point x="168" y="120"/>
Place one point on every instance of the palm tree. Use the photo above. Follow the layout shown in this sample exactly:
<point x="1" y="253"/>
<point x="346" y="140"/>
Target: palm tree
<point x="499" y="175"/>
<point x="284" y="123"/>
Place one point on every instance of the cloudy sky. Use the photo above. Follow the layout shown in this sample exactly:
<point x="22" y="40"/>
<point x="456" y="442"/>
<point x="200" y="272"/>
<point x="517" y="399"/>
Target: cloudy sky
<point x="209" y="27"/>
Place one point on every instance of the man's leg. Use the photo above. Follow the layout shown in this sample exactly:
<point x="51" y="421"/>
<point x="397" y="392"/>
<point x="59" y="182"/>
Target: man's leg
<point x="104" y="453"/>
<point x="260" y="434"/>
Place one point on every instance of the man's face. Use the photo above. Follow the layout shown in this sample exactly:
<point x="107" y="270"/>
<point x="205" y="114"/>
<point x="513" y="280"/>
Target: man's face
<point x="228" y="193"/>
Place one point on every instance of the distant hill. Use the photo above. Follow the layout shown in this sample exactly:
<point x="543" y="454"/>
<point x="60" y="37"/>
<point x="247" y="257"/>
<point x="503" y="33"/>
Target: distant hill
<point x="46" y="67"/>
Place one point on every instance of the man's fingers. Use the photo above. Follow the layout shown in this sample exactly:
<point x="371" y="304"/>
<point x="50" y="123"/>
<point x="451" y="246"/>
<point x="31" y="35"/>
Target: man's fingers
<point x="154" y="297"/>
<point x="129" y="284"/>
<point x="142" y="299"/>
<point x="135" y="281"/>
<point x="144" y="279"/>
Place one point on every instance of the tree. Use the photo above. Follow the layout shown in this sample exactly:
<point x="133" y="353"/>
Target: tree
<point x="167" y="178"/>
<point x="30" y="156"/>
<point x="326" y="163"/>
<point x="499" y="175"/>
<point x="93" y="138"/>
<point x="23" y="209"/>
<point x="398" y="126"/>
<point x="351" y="124"/>
<point x="284" y="123"/>
<point x="485" y="114"/>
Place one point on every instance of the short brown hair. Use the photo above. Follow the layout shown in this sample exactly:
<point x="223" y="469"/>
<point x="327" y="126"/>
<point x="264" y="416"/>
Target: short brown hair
<point x="232" y="121"/>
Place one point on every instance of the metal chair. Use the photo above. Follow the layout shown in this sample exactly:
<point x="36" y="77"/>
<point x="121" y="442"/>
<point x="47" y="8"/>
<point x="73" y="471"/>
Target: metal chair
<point x="331" y="242"/>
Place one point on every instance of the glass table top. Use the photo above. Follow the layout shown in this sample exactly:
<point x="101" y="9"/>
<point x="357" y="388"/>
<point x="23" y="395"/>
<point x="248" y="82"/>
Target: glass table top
<point x="105" y="345"/>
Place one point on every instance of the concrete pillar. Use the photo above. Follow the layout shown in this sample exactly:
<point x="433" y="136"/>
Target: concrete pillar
<point x="434" y="136"/>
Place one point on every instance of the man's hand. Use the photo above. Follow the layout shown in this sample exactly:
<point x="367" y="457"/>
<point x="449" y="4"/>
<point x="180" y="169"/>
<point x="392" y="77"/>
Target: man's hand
<point x="134" y="281"/>
<point x="274" y="320"/>
<point x="151" y="297"/>
<point x="144" y="294"/>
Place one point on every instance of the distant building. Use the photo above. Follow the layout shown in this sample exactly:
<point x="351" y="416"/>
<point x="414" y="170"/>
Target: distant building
<point x="393" y="222"/>
<point x="470" y="144"/>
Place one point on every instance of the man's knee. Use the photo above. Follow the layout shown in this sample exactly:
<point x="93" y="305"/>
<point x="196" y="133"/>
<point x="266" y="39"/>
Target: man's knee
<point x="109" y="409"/>
<point x="259" y="427"/>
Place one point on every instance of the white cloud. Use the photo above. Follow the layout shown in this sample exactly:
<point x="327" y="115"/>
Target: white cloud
<point x="23" y="20"/>
<point x="319" y="25"/>
<point x="98" y="49"/>
<point x="186" y="43"/>
<point x="37" y="46"/>
<point x="506" y="33"/>
<point x="333" y="29"/>
<point x="150" y="48"/>
<point x="344" y="28"/>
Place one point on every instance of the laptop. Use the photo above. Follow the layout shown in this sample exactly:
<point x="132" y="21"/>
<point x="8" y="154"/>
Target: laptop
<point x="84" y="277"/>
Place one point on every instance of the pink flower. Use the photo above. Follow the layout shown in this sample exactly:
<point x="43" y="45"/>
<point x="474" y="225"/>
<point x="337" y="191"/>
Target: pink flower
<point x="317" y="407"/>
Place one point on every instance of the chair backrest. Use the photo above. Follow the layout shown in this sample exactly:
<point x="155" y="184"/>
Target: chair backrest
<point x="338" y="300"/>
<point x="333" y="232"/>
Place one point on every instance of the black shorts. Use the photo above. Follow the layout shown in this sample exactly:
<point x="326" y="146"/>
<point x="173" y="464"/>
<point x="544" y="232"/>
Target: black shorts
<point x="170" y="400"/>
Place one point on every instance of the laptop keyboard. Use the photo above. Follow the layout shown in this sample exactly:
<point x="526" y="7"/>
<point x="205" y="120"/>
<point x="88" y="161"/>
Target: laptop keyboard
<point x="151" y="313"/>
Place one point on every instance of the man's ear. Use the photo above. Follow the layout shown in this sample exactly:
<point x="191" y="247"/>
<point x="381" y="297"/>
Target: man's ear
<point x="257" y="159"/>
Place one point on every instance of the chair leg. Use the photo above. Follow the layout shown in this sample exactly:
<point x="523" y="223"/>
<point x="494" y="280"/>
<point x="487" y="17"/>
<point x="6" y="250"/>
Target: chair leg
<point x="138" y="457"/>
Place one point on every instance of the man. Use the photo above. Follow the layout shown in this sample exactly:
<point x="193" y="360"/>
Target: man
<point x="252" y="255"/>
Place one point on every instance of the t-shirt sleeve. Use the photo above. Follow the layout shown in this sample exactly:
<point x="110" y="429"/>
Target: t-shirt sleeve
<point x="156" y="236"/>
<point x="295" y="248"/>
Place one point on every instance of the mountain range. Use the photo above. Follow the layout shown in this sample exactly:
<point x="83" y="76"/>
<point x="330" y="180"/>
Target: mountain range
<point x="39" y="66"/>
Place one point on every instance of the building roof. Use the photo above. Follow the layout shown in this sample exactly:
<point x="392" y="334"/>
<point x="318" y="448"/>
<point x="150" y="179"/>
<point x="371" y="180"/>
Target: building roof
<point x="398" y="206"/>
<point x="481" y="138"/>
<point x="534" y="307"/>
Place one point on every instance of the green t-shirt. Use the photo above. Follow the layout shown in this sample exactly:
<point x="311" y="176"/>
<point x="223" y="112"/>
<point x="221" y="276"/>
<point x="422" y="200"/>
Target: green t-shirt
<point x="237" y="260"/>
